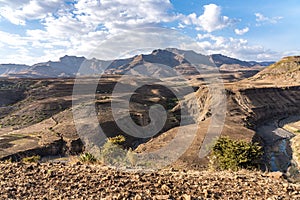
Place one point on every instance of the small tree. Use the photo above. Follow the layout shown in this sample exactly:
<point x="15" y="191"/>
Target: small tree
<point x="235" y="154"/>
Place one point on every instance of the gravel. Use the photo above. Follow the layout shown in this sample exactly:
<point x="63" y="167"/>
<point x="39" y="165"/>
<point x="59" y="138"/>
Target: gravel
<point x="83" y="181"/>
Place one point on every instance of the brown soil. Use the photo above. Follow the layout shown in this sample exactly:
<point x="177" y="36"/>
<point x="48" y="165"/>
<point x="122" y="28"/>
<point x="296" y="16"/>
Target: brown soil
<point x="60" y="181"/>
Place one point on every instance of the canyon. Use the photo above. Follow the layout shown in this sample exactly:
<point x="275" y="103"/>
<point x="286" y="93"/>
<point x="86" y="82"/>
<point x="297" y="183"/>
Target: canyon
<point x="37" y="114"/>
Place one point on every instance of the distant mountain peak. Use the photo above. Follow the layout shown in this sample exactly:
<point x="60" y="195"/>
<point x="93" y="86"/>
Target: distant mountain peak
<point x="182" y="60"/>
<point x="220" y="60"/>
<point x="71" y="59"/>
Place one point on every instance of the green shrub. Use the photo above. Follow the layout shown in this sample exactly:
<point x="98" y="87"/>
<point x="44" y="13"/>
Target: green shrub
<point x="230" y="154"/>
<point x="112" y="152"/>
<point x="31" y="159"/>
<point x="87" y="158"/>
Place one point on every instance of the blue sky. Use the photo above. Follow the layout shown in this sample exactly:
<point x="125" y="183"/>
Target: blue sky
<point x="34" y="31"/>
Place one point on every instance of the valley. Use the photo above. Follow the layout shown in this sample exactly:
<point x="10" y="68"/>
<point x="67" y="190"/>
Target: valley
<point x="38" y="119"/>
<point x="169" y="110"/>
<point x="151" y="99"/>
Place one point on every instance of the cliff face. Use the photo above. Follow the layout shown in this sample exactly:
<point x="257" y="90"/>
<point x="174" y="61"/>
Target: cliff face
<point x="262" y="104"/>
<point x="249" y="104"/>
<point x="246" y="110"/>
<point x="252" y="107"/>
<point x="272" y="93"/>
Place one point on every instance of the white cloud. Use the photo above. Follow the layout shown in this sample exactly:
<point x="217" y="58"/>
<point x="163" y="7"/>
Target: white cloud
<point x="13" y="40"/>
<point x="8" y="13"/>
<point x="260" y="18"/>
<point x="241" y="31"/>
<point x="180" y="25"/>
<point x="123" y="14"/>
<point x="76" y="29"/>
<point x="211" y="20"/>
<point x="114" y="25"/>
<point x="28" y="10"/>
<point x="234" y="47"/>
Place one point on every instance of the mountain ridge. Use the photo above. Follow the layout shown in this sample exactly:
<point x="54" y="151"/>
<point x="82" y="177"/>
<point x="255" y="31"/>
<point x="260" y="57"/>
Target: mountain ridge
<point x="71" y="66"/>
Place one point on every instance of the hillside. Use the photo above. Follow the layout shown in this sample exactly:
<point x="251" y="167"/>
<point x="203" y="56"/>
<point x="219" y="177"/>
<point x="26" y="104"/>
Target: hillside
<point x="285" y="71"/>
<point x="226" y="63"/>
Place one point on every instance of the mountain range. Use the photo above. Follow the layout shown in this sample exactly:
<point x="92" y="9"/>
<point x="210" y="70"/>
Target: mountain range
<point x="180" y="60"/>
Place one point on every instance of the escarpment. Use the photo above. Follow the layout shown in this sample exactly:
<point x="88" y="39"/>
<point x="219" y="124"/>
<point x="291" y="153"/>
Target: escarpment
<point x="250" y="107"/>
<point x="259" y="105"/>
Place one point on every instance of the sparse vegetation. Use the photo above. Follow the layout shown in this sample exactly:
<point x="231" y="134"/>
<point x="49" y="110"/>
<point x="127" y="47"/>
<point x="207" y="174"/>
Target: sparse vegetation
<point x="112" y="152"/>
<point x="87" y="158"/>
<point x="228" y="154"/>
<point x="131" y="157"/>
<point x="15" y="85"/>
<point x="32" y="159"/>
<point x="117" y="140"/>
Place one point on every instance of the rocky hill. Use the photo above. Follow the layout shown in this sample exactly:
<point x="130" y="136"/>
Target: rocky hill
<point x="287" y="70"/>
<point x="180" y="60"/>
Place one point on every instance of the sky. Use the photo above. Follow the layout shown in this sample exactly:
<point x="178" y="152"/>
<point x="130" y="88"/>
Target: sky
<point x="33" y="31"/>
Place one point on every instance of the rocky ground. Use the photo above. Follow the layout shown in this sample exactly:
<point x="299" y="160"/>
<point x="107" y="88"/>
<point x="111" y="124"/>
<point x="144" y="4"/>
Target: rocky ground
<point x="78" y="181"/>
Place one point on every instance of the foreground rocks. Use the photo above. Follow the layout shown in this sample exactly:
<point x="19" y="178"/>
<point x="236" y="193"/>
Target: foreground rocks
<point x="66" y="181"/>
